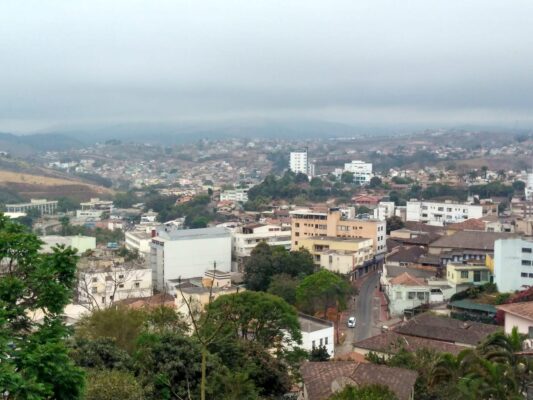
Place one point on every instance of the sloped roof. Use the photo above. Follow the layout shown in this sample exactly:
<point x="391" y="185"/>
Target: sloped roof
<point x="471" y="224"/>
<point x="319" y="377"/>
<point x="391" y="342"/>
<point x="471" y="240"/>
<point x="393" y="271"/>
<point x="407" y="254"/>
<point x="407" y="279"/>
<point x="524" y="310"/>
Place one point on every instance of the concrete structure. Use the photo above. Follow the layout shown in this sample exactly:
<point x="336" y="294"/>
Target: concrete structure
<point x="518" y="315"/>
<point x="148" y="217"/>
<point x="97" y="204"/>
<point x="362" y="171"/>
<point x="42" y="205"/>
<point x="529" y="187"/>
<point x="298" y="162"/>
<point x="244" y="240"/>
<point x="441" y="213"/>
<point x="317" y="332"/>
<point x="307" y="223"/>
<point x="188" y="253"/>
<point x="80" y="243"/>
<point x="513" y="264"/>
<point x="467" y="274"/>
<point x="102" y="281"/>
<point x="239" y="194"/>
<point x="384" y="210"/>
<point x="89" y="215"/>
<point x="140" y="241"/>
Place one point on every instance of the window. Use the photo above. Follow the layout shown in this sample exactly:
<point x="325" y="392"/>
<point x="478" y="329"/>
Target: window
<point x="121" y="286"/>
<point x="449" y="210"/>
<point x="523" y="274"/>
<point x="137" y="284"/>
<point x="108" y="278"/>
<point x="297" y="224"/>
<point x="111" y="298"/>
<point x="398" y="295"/>
<point x="526" y="262"/>
<point x="103" y="300"/>
<point x="326" y="340"/>
<point x="296" y="234"/>
<point x="526" y="249"/>
<point x="464" y="274"/>
<point x="421" y="295"/>
<point x="313" y="344"/>
<point x="121" y="277"/>
<point x="321" y="342"/>
<point x="95" y="279"/>
<point x="441" y="209"/>
<point x="94" y="290"/>
<point x="411" y="295"/>
<point x="296" y="243"/>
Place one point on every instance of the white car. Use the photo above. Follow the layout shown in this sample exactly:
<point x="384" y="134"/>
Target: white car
<point x="351" y="322"/>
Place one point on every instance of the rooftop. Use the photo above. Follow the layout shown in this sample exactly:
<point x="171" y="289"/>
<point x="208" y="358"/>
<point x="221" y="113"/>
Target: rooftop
<point x="471" y="240"/>
<point x="310" y="324"/>
<point x="524" y="310"/>
<point x="185" y="234"/>
<point x="406" y="279"/>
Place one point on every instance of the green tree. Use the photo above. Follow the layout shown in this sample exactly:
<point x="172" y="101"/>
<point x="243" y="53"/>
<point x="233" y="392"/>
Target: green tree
<point x="319" y="353"/>
<point x="347" y="177"/>
<point x="322" y="290"/>
<point x="34" y="361"/>
<point x="284" y="286"/>
<point x="65" y="204"/>
<point x="394" y="223"/>
<point x="375" y="182"/>
<point x="257" y="316"/>
<point x="371" y="392"/>
<point x="266" y="261"/>
<point x="113" y="385"/>
<point x="519" y="186"/>
<point x="100" y="353"/>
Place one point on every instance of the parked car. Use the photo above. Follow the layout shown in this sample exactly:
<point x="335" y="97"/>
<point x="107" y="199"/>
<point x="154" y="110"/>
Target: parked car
<point x="351" y="322"/>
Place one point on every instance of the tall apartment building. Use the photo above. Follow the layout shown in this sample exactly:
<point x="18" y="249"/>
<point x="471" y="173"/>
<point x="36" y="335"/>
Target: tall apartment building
<point x="529" y="187"/>
<point x="513" y="264"/>
<point x="298" y="162"/>
<point x="238" y="194"/>
<point x="442" y="213"/>
<point x="188" y="253"/>
<point x="362" y="171"/>
<point x="308" y="223"/>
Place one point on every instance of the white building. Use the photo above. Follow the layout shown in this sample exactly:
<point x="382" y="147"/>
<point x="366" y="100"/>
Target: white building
<point x="89" y="215"/>
<point x="42" y="205"/>
<point x="298" y="162"/>
<point x="148" y="217"/>
<point x="140" y="241"/>
<point x="317" y="332"/>
<point x="441" y="213"/>
<point x="96" y="204"/>
<point x="102" y="283"/>
<point x="239" y="194"/>
<point x="529" y="187"/>
<point x="362" y="171"/>
<point x="188" y="253"/>
<point x="384" y="210"/>
<point x="513" y="264"/>
<point x="80" y="243"/>
<point x="520" y="316"/>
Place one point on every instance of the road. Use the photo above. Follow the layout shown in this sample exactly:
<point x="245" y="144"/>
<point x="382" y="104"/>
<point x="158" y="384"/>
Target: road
<point x="363" y="310"/>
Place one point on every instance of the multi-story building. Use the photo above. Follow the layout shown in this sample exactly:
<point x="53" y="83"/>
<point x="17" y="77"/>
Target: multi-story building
<point x="317" y="332"/>
<point x="298" y="162"/>
<point x="42" y="205"/>
<point x="441" y="213"/>
<point x="140" y="240"/>
<point x="522" y="209"/>
<point x="80" y="243"/>
<point x="529" y="187"/>
<point x="239" y="194"/>
<point x="513" y="264"/>
<point x="188" y="253"/>
<point x="104" y="280"/>
<point x="244" y="240"/>
<point x="97" y="204"/>
<point x="362" y="171"/>
<point x="308" y="224"/>
<point x="384" y="210"/>
<point x="458" y="273"/>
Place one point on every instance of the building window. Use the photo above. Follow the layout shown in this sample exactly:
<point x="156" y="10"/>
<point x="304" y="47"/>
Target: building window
<point x="296" y="234"/>
<point x="94" y="290"/>
<point x="108" y="278"/>
<point x="398" y="295"/>
<point x="523" y="274"/>
<point x="313" y="344"/>
<point x="411" y="295"/>
<point x="121" y="277"/>
<point x="296" y="243"/>
<point x="464" y="274"/>
<point x="326" y="340"/>
<point x="321" y="342"/>
<point x="420" y="295"/>
<point x="103" y="300"/>
<point x="137" y="284"/>
<point x="95" y="279"/>
<point x="297" y="224"/>
<point x="526" y="249"/>
<point x="526" y="262"/>
<point x="121" y="286"/>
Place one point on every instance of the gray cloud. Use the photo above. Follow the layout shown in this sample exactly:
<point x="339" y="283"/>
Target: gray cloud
<point x="371" y="61"/>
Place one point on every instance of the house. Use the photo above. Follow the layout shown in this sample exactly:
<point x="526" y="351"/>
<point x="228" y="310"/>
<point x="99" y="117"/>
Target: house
<point x="366" y="200"/>
<point x="442" y="213"/>
<point x="317" y="332"/>
<point x="461" y="333"/>
<point x="362" y="171"/>
<point x="519" y="315"/>
<point x="322" y="379"/>
<point x="458" y="273"/>
<point x="405" y="256"/>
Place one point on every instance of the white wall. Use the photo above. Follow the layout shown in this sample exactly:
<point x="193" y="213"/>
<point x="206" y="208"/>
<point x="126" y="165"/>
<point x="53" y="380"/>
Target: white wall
<point x="434" y="213"/>
<point x="326" y="334"/>
<point x="510" y="273"/>
<point x="522" y="324"/>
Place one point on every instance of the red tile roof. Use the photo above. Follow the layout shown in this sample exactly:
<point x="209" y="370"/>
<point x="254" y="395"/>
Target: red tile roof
<point x="524" y="310"/>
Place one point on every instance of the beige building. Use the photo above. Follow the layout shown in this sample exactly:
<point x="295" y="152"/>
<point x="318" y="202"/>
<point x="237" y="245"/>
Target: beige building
<point x="310" y="224"/>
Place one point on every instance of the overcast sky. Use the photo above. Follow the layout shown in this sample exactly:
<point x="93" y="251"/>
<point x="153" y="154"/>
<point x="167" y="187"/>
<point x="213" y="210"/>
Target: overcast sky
<point x="73" y="62"/>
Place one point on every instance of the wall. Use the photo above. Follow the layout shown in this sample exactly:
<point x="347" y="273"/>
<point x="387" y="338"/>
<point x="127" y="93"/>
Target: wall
<point x="521" y="323"/>
<point x="509" y="272"/>
<point x="309" y="337"/>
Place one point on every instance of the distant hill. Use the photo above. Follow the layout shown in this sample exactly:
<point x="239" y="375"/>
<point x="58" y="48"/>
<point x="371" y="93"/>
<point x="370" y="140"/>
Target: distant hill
<point x="24" y="145"/>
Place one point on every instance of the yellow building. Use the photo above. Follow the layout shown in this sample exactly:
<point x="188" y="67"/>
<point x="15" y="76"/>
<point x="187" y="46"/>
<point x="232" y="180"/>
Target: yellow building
<point x="461" y="274"/>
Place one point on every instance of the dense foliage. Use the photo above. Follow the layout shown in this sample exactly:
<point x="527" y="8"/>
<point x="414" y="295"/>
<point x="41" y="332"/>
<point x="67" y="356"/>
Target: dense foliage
<point x="371" y="392"/>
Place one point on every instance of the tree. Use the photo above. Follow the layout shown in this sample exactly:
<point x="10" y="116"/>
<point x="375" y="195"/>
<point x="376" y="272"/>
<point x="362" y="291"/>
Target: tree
<point x="34" y="361"/>
<point x="113" y="385"/>
<point x="371" y="392"/>
<point x="394" y="223"/>
<point x="519" y="186"/>
<point x="375" y="182"/>
<point x="100" y="353"/>
<point x="322" y="290"/>
<point x="266" y="261"/>
<point x="284" y="286"/>
<point x="319" y="353"/>
<point x="65" y="204"/>
<point x="347" y="177"/>
<point x="257" y="316"/>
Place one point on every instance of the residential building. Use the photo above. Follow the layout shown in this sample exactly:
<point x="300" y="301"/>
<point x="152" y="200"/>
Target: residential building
<point x="317" y="332"/>
<point x="245" y="238"/>
<point x="298" y="162"/>
<point x="97" y="204"/>
<point x="148" y="217"/>
<point x="442" y="213"/>
<point x="522" y="209"/>
<point x="529" y="187"/>
<point x="238" y="194"/>
<point x="518" y="315"/>
<point x="513" y="264"/>
<point x="42" y="205"/>
<point x="349" y="256"/>
<point x="140" y="241"/>
<point x="459" y="273"/>
<point x="362" y="171"/>
<point x="89" y="215"/>
<point x="322" y="379"/>
<point x="307" y="223"/>
<point x="188" y="253"/>
<point x="80" y="243"/>
<point x="104" y="280"/>
<point x="384" y="210"/>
